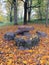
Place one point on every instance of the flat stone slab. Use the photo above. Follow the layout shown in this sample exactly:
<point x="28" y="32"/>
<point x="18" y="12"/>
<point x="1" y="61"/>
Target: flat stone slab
<point x="41" y="34"/>
<point x="26" y="44"/>
<point x="9" y="36"/>
<point x="27" y="34"/>
<point x="28" y="28"/>
<point x="24" y="30"/>
<point x="21" y="32"/>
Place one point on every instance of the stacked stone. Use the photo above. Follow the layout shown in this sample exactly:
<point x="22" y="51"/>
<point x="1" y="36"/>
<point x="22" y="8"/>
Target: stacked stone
<point x="32" y="40"/>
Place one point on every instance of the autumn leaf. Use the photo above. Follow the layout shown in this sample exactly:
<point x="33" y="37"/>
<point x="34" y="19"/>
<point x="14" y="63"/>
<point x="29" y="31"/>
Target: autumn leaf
<point x="32" y="56"/>
<point x="24" y="62"/>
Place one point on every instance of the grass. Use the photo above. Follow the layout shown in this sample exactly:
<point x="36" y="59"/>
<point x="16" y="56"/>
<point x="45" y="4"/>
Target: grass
<point x="6" y="24"/>
<point x="9" y="23"/>
<point x="36" y="21"/>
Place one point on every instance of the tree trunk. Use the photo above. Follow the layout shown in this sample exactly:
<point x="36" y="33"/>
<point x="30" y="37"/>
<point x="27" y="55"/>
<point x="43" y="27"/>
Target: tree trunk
<point x="15" y="12"/>
<point x="47" y="13"/>
<point x="40" y="14"/>
<point x="11" y="13"/>
<point x="25" y="12"/>
<point x="29" y="10"/>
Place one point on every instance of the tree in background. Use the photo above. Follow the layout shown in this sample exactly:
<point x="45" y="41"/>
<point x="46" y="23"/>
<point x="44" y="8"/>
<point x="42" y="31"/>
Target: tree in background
<point x="39" y="8"/>
<point x="15" y="12"/>
<point x="29" y="5"/>
<point x="13" y="4"/>
<point x="47" y="13"/>
<point x="25" y="10"/>
<point x="9" y="8"/>
<point x="29" y="9"/>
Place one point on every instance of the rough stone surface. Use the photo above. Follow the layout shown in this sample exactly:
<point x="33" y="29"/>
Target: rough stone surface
<point x="20" y="42"/>
<point x="18" y="32"/>
<point x="22" y="30"/>
<point x="9" y="36"/>
<point x="27" y="34"/>
<point x="25" y="41"/>
<point x="26" y="44"/>
<point x="41" y="34"/>
<point x="26" y="28"/>
<point x="35" y="41"/>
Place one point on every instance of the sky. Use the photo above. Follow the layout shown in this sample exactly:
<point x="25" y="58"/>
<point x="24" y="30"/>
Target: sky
<point x="3" y="8"/>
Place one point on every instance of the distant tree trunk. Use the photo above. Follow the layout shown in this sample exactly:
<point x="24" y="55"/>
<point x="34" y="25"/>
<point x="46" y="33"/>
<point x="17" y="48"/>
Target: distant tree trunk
<point x="15" y="12"/>
<point x="47" y="13"/>
<point x="11" y="13"/>
<point x="39" y="8"/>
<point x="40" y="14"/>
<point x="25" y="12"/>
<point x="29" y="9"/>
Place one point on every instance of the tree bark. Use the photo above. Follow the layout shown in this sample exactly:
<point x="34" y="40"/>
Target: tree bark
<point x="40" y="14"/>
<point x="47" y="13"/>
<point x="15" y="12"/>
<point x="25" y="12"/>
<point x="11" y="13"/>
<point x="29" y="10"/>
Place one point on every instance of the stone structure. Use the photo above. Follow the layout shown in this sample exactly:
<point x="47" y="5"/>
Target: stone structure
<point x="25" y="39"/>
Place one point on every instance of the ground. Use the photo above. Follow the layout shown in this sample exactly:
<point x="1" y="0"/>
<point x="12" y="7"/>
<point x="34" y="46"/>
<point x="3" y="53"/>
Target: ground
<point x="11" y="55"/>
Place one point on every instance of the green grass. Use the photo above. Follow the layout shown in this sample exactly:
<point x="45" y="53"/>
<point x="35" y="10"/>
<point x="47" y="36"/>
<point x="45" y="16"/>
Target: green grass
<point x="6" y="23"/>
<point x="36" y="21"/>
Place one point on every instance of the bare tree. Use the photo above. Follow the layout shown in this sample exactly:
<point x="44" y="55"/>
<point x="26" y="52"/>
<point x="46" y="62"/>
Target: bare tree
<point x="39" y="8"/>
<point x="15" y="12"/>
<point x="11" y="8"/>
<point x="25" y="11"/>
<point x="47" y="13"/>
<point x="13" y="4"/>
<point x="29" y="9"/>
